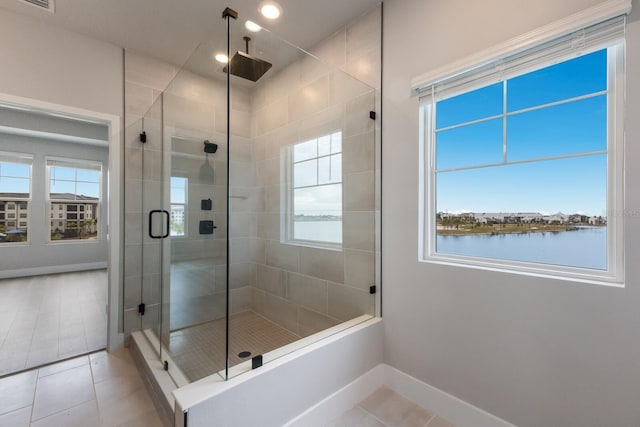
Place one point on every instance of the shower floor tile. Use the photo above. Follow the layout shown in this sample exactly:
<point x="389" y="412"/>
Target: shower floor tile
<point x="51" y="317"/>
<point x="199" y="350"/>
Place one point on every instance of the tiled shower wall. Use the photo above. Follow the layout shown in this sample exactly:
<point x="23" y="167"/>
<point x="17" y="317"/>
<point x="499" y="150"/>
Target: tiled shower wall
<point x="307" y="289"/>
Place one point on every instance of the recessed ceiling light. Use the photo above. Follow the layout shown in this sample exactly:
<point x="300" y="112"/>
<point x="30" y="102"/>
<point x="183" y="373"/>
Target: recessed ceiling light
<point x="270" y="9"/>
<point x="252" y="26"/>
<point x="221" y="57"/>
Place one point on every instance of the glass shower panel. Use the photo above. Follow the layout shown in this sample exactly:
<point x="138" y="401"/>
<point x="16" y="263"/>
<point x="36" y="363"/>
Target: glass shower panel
<point x="195" y="181"/>
<point x="302" y="217"/>
<point x="153" y="224"/>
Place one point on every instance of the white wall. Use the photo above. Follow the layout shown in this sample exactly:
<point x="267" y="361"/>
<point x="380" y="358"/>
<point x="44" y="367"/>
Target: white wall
<point x="46" y="63"/>
<point x="536" y="352"/>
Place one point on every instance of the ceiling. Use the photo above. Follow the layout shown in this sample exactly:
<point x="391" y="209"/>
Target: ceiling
<point x="171" y="29"/>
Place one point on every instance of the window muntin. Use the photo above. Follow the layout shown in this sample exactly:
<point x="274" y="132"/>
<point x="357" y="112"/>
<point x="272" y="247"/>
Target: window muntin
<point x="178" y="223"/>
<point x="556" y="142"/>
<point x="314" y="212"/>
<point x="74" y="186"/>
<point x="15" y="195"/>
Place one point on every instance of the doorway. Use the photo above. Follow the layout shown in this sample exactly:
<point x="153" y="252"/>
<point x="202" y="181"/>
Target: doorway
<point x="59" y="233"/>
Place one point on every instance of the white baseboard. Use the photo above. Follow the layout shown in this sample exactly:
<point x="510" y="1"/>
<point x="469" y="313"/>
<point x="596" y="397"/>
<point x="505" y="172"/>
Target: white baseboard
<point x="457" y="411"/>
<point x="52" y="269"/>
<point x="341" y="401"/>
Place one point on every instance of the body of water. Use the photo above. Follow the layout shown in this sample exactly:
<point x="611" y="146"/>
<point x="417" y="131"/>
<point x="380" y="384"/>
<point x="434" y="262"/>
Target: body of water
<point x="585" y="247"/>
<point x="321" y="231"/>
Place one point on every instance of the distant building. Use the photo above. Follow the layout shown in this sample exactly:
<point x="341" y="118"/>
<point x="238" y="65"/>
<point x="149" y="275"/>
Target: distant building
<point x="520" y="218"/>
<point x="69" y="212"/>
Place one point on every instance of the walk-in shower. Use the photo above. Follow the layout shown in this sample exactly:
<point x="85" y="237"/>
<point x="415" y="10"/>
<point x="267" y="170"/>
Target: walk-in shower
<point x="268" y="241"/>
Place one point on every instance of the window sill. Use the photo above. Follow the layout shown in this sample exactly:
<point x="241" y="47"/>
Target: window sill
<point x="315" y="245"/>
<point x="69" y="242"/>
<point x="566" y="274"/>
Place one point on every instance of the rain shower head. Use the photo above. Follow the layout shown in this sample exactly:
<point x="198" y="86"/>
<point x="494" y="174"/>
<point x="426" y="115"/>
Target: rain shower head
<point x="246" y="66"/>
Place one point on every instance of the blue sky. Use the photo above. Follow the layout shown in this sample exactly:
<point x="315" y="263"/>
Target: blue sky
<point x="567" y="185"/>
<point x="14" y="178"/>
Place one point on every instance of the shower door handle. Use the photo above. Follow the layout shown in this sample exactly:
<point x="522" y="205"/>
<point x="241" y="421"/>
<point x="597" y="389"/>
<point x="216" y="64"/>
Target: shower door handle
<point x="168" y="224"/>
<point x="158" y="236"/>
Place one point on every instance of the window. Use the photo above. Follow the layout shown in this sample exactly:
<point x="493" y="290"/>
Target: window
<point x="177" y="224"/>
<point x="523" y="163"/>
<point x="15" y="194"/>
<point x="314" y="212"/>
<point x="74" y="183"/>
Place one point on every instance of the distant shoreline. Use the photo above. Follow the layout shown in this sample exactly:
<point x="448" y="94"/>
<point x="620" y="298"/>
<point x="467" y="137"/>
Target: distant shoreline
<point x="495" y="230"/>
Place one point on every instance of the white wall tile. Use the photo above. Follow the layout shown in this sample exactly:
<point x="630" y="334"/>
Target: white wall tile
<point x="358" y="192"/>
<point x="273" y="116"/>
<point x="309" y="99"/>
<point x="359" y="269"/>
<point x="311" y="322"/>
<point x="358" y="230"/>
<point x="357" y="119"/>
<point x="322" y="263"/>
<point x="346" y="303"/>
<point x="282" y="312"/>
<point x="358" y="153"/>
<point x="283" y="256"/>
<point x="307" y="291"/>
<point x="272" y="280"/>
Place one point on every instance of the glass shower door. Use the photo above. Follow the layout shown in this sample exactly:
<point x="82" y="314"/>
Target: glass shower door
<point x="195" y="183"/>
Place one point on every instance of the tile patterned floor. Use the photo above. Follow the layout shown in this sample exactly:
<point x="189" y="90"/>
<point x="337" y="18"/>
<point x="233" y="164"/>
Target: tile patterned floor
<point x="100" y="389"/>
<point x="385" y="408"/>
<point x="49" y="318"/>
<point x="199" y="350"/>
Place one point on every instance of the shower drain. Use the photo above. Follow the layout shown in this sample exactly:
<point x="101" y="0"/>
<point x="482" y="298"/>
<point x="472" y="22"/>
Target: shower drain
<point x="244" y="354"/>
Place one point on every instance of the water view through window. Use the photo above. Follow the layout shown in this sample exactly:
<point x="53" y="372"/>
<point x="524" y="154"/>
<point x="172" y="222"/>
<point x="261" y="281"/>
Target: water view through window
<point x="317" y="190"/>
<point x="521" y="167"/>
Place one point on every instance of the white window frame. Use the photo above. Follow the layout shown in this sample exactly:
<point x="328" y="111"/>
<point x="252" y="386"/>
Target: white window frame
<point x="184" y="206"/>
<point x="72" y="163"/>
<point x="287" y="223"/>
<point x="614" y="275"/>
<point x="20" y="158"/>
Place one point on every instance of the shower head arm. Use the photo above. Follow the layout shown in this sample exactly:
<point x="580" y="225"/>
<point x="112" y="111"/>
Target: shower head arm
<point x="246" y="39"/>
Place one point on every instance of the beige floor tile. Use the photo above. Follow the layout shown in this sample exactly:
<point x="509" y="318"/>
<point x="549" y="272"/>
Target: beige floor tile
<point x="128" y="409"/>
<point x="83" y="415"/>
<point x="19" y="418"/>
<point x="147" y="419"/>
<point x="395" y="410"/>
<point x="106" y="366"/>
<point x="439" y="422"/>
<point x="17" y="391"/>
<point x="61" y="391"/>
<point x="356" y="417"/>
<point x="114" y="389"/>
<point x="63" y="366"/>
